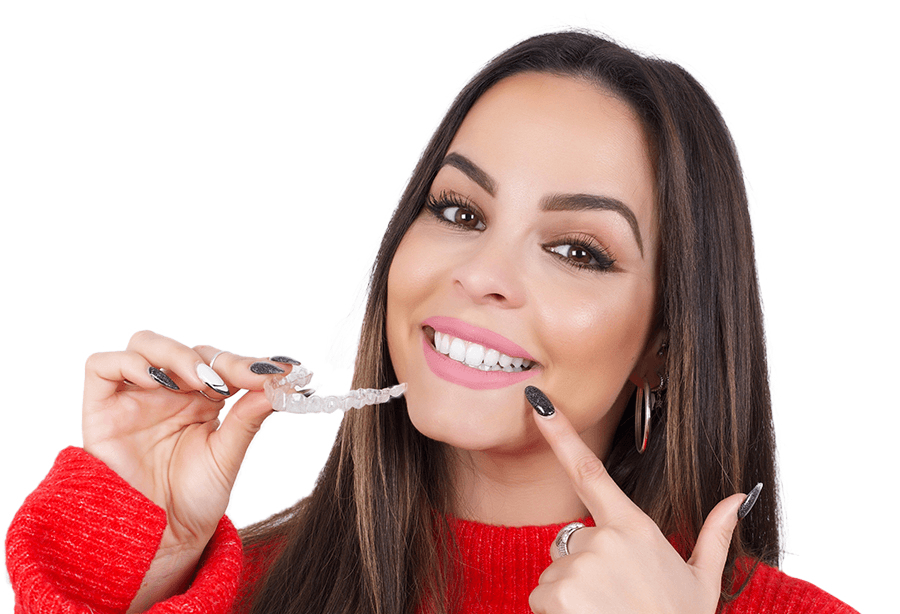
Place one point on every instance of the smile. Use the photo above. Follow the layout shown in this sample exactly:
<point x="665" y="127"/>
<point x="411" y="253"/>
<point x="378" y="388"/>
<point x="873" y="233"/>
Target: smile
<point x="474" y="357"/>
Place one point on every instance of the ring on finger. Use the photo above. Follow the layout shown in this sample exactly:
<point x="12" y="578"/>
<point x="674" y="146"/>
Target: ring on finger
<point x="562" y="538"/>
<point x="212" y="361"/>
<point x="210" y="398"/>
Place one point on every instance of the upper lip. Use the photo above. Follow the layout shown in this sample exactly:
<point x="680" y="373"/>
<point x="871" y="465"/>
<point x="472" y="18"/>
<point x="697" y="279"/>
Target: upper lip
<point x="475" y="334"/>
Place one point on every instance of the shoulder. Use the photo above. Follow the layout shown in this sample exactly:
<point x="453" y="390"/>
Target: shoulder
<point x="770" y="590"/>
<point x="258" y="557"/>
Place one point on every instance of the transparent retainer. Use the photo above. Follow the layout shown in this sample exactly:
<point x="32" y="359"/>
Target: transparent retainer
<point x="286" y="394"/>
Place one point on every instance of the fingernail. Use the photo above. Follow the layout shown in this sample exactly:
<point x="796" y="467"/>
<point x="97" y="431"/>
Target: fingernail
<point x="539" y="401"/>
<point x="285" y="360"/>
<point x="750" y="501"/>
<point x="265" y="368"/>
<point x="162" y="378"/>
<point x="211" y="378"/>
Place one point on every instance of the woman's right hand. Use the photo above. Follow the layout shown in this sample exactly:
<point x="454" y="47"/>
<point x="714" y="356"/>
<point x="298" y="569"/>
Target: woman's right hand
<point x="169" y="444"/>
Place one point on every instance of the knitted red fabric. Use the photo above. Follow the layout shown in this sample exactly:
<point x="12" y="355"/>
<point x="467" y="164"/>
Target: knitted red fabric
<point x="502" y="566"/>
<point x="84" y="539"/>
<point x="82" y="542"/>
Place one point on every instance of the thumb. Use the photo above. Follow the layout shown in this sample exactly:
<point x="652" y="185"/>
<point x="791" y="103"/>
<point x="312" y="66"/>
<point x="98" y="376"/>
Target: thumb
<point x="240" y="425"/>
<point x="711" y="551"/>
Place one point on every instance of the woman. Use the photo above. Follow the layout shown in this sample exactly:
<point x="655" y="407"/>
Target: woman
<point x="579" y="220"/>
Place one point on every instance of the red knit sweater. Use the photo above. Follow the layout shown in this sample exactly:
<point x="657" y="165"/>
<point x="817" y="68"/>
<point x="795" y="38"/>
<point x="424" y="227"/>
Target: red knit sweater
<point x="82" y="542"/>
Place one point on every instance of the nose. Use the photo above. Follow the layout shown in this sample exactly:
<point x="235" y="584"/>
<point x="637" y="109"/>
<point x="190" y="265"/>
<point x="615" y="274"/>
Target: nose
<point x="492" y="275"/>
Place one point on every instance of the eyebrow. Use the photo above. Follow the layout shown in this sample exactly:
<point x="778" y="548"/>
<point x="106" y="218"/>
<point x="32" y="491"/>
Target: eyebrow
<point x="590" y="202"/>
<point x="555" y="202"/>
<point x="472" y="171"/>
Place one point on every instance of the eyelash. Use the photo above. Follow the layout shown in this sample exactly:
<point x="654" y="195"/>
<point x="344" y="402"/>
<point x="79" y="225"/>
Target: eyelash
<point x="603" y="260"/>
<point x="445" y="201"/>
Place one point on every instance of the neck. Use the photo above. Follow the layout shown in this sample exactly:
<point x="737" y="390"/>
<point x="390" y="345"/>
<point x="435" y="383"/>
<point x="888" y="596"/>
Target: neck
<point x="524" y="485"/>
<point x="521" y="488"/>
<point x="509" y="490"/>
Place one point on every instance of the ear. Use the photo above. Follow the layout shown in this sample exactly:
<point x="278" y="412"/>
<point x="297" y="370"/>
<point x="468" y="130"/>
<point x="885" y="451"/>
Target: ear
<point x="651" y="367"/>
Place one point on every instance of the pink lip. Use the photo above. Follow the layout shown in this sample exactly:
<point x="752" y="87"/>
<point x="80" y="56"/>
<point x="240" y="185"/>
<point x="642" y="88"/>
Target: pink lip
<point x="481" y="336"/>
<point x="457" y="373"/>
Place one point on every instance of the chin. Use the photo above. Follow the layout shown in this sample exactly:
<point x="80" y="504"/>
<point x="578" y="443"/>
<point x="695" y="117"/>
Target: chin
<point x="473" y="419"/>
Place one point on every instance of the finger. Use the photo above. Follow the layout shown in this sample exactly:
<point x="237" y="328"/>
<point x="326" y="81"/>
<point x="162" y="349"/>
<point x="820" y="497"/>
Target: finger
<point x="105" y="372"/>
<point x="573" y="544"/>
<point x="551" y="597"/>
<point x="241" y="371"/>
<point x="711" y="551"/>
<point x="240" y="425"/>
<point x="593" y="484"/>
<point x="181" y="360"/>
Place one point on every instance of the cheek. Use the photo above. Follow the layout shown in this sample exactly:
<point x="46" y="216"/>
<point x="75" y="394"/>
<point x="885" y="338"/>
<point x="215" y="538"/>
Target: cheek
<point x="609" y="323"/>
<point x="412" y="268"/>
<point x="600" y="333"/>
<point x="408" y="280"/>
<point x="595" y="341"/>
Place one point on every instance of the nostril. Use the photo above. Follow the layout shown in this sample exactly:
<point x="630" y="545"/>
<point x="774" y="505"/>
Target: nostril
<point x="491" y="284"/>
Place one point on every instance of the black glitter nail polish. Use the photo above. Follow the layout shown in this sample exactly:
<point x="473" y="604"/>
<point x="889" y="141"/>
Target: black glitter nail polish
<point x="162" y="378"/>
<point x="265" y="368"/>
<point x="750" y="501"/>
<point x="287" y="360"/>
<point x="539" y="401"/>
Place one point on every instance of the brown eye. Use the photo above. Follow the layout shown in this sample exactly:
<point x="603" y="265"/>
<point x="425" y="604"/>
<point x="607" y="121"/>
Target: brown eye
<point x="582" y="253"/>
<point x="574" y="253"/>
<point x="463" y="217"/>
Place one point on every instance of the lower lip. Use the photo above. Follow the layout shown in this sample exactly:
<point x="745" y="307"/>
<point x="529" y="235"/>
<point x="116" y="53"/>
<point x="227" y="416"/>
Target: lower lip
<point x="457" y="373"/>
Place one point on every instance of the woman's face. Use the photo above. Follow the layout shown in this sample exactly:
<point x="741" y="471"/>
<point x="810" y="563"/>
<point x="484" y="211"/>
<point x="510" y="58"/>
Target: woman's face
<point x="538" y="242"/>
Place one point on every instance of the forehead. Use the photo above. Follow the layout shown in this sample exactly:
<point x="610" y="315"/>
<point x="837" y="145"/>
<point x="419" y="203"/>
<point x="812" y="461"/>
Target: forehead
<point x="555" y="134"/>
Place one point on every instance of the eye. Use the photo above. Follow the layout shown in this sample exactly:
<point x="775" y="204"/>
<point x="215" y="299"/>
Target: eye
<point x="583" y="253"/>
<point x="454" y="210"/>
<point x="575" y="253"/>
<point x="462" y="217"/>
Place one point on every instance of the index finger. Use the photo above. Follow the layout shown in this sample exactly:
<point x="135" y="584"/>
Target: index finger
<point x="593" y="484"/>
<point x="239" y="371"/>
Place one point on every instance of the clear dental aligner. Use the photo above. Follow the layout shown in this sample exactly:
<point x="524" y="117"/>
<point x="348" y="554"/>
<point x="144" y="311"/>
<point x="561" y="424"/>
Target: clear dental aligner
<point x="287" y="394"/>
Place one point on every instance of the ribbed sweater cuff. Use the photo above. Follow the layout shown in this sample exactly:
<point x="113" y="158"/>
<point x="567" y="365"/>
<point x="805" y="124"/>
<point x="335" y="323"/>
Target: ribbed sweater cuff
<point x="84" y="539"/>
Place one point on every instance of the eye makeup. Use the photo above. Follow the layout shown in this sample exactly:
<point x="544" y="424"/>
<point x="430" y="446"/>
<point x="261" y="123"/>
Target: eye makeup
<point x="582" y="251"/>
<point x="578" y="250"/>
<point x="455" y="210"/>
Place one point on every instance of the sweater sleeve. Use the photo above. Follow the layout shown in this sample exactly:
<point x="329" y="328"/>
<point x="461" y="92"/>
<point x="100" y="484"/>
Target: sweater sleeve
<point x="771" y="591"/>
<point x="83" y="540"/>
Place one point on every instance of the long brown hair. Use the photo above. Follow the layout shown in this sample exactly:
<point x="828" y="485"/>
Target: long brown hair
<point x="372" y="536"/>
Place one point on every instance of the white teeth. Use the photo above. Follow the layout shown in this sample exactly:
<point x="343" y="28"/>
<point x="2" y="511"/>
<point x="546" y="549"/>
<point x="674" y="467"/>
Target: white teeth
<point x="458" y="350"/>
<point x="477" y="356"/>
<point x="474" y="354"/>
<point x="491" y="357"/>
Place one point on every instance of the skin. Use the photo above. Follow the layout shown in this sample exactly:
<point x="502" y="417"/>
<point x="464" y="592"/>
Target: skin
<point x="534" y="135"/>
<point x="170" y="445"/>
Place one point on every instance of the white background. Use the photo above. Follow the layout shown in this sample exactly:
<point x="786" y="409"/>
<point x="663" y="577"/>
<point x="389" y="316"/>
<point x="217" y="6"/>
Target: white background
<point x="222" y="174"/>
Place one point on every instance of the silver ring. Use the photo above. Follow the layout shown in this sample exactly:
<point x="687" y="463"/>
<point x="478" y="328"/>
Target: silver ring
<point x="217" y="354"/>
<point x="210" y="398"/>
<point x="562" y="538"/>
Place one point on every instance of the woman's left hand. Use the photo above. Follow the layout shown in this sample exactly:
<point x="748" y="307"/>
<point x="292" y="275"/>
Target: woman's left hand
<point x="625" y="563"/>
